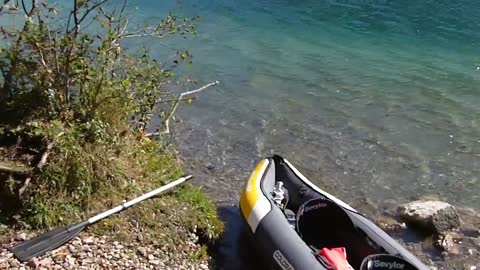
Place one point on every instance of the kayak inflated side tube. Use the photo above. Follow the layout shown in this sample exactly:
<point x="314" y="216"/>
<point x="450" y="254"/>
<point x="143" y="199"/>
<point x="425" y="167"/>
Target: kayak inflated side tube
<point x="253" y="203"/>
<point x="279" y="244"/>
<point x="276" y="239"/>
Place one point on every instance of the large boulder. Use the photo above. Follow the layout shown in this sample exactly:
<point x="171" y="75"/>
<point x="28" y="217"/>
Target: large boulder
<point x="433" y="216"/>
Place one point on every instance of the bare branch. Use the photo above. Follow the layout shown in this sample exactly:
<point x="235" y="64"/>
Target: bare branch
<point x="15" y="170"/>
<point x="147" y="32"/>
<point x="42" y="58"/>
<point x="32" y="9"/>
<point x="5" y="2"/>
<point x="123" y="29"/>
<point x="123" y="7"/>
<point x="199" y="89"/>
<point x="78" y="20"/>
<point x="41" y="163"/>
<point x="68" y="22"/>
<point x="75" y="15"/>
<point x="24" y="7"/>
<point x="174" y="108"/>
<point x="48" y="150"/>
<point x="90" y="9"/>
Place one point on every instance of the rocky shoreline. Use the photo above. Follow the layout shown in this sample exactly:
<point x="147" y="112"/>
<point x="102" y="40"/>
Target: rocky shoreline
<point x="102" y="252"/>
<point x="441" y="235"/>
<point x="457" y="229"/>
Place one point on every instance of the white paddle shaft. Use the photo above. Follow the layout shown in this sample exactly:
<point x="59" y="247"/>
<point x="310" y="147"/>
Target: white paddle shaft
<point x="143" y="197"/>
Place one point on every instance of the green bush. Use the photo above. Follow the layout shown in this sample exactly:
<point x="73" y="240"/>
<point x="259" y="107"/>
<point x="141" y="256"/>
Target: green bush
<point x="80" y="99"/>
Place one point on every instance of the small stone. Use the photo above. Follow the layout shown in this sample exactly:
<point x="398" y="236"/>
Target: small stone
<point x="59" y="251"/>
<point x="203" y="266"/>
<point x="7" y="256"/>
<point x="76" y="243"/>
<point x="88" y="241"/>
<point x="154" y="262"/>
<point x="70" y="260"/>
<point x="210" y="166"/>
<point x="71" y="248"/>
<point x="21" y="237"/>
<point x="46" y="262"/>
<point x="4" y="265"/>
<point x="151" y="257"/>
<point x="142" y="251"/>
<point x="34" y="263"/>
<point x="13" y="263"/>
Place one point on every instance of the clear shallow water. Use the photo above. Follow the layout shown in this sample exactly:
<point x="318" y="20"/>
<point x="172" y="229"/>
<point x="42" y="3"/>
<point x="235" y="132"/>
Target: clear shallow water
<point x="378" y="101"/>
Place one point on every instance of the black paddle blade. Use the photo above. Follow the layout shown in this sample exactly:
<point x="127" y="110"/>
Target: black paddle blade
<point x="46" y="242"/>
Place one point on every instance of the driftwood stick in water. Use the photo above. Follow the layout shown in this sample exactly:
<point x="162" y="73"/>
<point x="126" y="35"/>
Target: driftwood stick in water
<point x="174" y="108"/>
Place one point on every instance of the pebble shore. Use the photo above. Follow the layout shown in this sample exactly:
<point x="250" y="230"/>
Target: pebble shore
<point x="101" y="252"/>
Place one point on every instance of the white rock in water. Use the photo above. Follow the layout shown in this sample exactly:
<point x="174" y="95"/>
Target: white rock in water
<point x="436" y="216"/>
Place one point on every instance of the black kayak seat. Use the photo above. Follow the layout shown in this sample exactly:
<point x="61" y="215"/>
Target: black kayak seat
<point x="386" y="262"/>
<point x="321" y="223"/>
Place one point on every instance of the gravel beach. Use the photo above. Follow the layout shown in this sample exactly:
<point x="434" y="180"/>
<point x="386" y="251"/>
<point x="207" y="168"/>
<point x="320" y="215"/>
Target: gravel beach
<point x="101" y="252"/>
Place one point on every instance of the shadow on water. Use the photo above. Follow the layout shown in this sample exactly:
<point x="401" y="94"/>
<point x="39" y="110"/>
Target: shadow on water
<point x="235" y="249"/>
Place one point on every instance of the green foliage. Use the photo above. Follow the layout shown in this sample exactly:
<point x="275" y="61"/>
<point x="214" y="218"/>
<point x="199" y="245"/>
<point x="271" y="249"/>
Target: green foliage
<point x="69" y="75"/>
<point x="86" y="96"/>
<point x="204" y="209"/>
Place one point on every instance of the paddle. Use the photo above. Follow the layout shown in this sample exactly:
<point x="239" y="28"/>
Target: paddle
<point x="59" y="236"/>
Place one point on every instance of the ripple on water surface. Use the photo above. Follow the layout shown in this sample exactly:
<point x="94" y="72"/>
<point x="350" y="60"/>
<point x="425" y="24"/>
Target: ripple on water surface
<point x="374" y="99"/>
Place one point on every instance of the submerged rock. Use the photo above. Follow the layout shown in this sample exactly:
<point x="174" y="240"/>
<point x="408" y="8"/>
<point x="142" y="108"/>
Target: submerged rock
<point x="449" y="243"/>
<point x="434" y="216"/>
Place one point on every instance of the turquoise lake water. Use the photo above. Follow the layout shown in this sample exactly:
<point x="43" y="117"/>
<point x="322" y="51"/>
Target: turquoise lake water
<point x="377" y="101"/>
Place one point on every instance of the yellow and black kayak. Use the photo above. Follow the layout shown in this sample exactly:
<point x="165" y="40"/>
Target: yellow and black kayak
<point x="296" y="225"/>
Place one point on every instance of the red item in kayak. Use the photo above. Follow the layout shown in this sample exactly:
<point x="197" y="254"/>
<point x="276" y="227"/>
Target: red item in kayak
<point x="337" y="257"/>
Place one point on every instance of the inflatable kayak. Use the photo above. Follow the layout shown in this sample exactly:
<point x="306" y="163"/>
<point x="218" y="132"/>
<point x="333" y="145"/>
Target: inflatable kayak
<point x="296" y="225"/>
